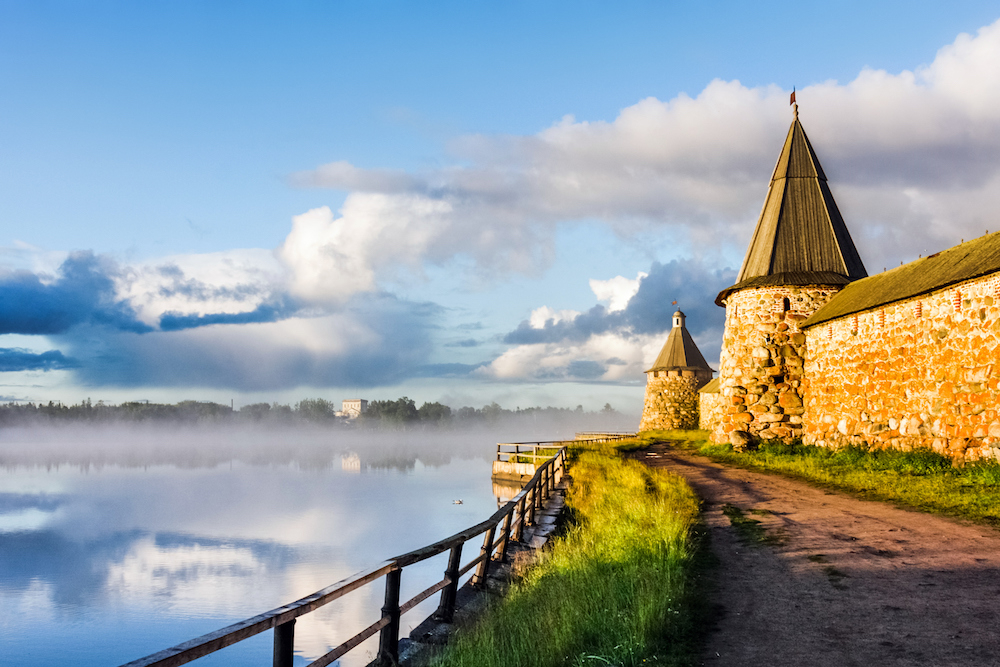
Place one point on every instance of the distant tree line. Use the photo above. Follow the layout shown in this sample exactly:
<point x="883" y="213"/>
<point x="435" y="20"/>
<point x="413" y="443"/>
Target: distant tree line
<point x="400" y="413"/>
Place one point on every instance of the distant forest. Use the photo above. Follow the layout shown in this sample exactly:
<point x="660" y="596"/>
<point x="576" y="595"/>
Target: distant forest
<point x="402" y="412"/>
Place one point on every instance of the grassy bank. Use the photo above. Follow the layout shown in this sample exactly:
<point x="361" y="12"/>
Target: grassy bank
<point x="920" y="479"/>
<point x="615" y="587"/>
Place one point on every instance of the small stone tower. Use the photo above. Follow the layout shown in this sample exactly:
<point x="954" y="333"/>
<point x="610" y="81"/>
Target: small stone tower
<point x="801" y="255"/>
<point x="672" y="383"/>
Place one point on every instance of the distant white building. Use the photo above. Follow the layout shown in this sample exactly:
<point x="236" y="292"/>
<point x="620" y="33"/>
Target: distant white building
<point x="353" y="407"/>
<point x="350" y="462"/>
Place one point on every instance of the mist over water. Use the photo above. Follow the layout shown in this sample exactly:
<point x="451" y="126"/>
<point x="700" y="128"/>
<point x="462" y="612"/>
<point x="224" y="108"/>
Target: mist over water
<point x="118" y="540"/>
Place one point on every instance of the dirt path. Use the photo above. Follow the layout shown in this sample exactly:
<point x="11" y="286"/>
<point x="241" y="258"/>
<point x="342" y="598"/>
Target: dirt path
<point x="840" y="581"/>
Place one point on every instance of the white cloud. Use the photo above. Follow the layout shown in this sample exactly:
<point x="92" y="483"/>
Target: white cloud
<point x="363" y="345"/>
<point x="234" y="281"/>
<point x="544" y="315"/>
<point x="914" y="160"/>
<point x="610" y="357"/>
<point x="617" y="291"/>
<point x="331" y="258"/>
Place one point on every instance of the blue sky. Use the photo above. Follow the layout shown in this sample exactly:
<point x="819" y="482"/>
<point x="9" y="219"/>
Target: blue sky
<point x="454" y="201"/>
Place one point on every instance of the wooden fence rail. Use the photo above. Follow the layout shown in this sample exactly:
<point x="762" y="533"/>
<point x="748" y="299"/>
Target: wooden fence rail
<point x="510" y="521"/>
<point x="523" y="451"/>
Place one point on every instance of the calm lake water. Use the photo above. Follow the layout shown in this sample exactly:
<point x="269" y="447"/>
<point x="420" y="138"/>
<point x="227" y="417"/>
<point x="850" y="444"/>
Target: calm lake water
<point x="118" y="543"/>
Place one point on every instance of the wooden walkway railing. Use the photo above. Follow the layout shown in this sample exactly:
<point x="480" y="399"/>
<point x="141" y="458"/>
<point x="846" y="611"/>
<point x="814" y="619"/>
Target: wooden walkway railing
<point x="509" y="522"/>
<point x="528" y="452"/>
<point x="605" y="436"/>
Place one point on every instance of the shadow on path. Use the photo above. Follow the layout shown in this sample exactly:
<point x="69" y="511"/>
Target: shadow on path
<point x="838" y="581"/>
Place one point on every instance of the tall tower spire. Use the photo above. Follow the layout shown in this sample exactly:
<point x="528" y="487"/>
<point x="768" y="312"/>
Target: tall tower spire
<point x="801" y="255"/>
<point x="800" y="238"/>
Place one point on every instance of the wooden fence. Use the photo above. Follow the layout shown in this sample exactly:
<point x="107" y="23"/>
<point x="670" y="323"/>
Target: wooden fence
<point x="532" y="451"/>
<point x="509" y="521"/>
<point x="605" y="436"/>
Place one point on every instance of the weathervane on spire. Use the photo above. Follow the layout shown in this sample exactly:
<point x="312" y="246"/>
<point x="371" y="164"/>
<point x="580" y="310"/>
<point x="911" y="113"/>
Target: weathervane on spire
<point x="791" y="101"/>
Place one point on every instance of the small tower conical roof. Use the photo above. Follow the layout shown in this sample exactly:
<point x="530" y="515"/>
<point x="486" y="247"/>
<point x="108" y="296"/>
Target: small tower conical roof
<point x="800" y="238"/>
<point x="680" y="351"/>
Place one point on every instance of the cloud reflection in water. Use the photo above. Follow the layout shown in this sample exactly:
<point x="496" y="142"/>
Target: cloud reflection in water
<point x="125" y="552"/>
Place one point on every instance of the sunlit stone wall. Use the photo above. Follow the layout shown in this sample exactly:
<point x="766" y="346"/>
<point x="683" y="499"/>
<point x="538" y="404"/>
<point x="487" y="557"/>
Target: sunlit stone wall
<point x="762" y="363"/>
<point x="918" y="373"/>
<point x="672" y="399"/>
<point x="711" y="407"/>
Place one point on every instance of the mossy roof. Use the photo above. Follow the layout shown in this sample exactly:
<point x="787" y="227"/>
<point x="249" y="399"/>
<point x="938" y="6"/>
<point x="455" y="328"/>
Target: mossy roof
<point x="713" y="387"/>
<point x="972" y="259"/>
<point x="800" y="237"/>
<point x="679" y="353"/>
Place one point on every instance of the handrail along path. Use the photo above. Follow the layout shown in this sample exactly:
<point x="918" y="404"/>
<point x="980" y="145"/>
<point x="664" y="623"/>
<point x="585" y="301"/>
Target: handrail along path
<point x="506" y="524"/>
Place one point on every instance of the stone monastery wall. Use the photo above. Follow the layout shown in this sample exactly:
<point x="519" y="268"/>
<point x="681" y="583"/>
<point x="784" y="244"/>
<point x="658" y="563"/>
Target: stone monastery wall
<point x="672" y="399"/>
<point x="711" y="407"/>
<point x="761" y="369"/>
<point x="917" y="373"/>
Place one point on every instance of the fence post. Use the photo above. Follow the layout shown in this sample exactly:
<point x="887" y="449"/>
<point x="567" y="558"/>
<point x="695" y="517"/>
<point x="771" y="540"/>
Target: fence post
<point x="506" y="535"/>
<point x="519" y="526"/>
<point x="483" y="569"/>
<point x="446" y="609"/>
<point x="284" y="644"/>
<point x="534" y="502"/>
<point x="388" y="641"/>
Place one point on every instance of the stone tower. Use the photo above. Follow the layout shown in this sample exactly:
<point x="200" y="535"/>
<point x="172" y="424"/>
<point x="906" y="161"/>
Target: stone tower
<point x="673" y="381"/>
<point x="801" y="255"/>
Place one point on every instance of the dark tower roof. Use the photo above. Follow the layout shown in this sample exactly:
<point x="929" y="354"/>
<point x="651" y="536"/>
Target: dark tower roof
<point x="680" y="351"/>
<point x="800" y="238"/>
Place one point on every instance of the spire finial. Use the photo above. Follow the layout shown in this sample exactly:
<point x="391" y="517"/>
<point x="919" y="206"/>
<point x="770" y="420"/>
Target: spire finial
<point x="795" y="107"/>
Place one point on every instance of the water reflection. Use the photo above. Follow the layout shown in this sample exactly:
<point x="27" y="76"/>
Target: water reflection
<point x="109" y="552"/>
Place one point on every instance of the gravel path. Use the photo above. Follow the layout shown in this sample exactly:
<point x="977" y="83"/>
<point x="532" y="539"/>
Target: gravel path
<point x="838" y="581"/>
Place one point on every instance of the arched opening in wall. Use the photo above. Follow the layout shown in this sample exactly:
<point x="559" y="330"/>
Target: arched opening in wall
<point x="785" y="305"/>
<point x="956" y="297"/>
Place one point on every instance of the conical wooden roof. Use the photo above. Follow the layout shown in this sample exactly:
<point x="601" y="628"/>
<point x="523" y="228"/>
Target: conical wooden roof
<point x="800" y="238"/>
<point x="680" y="351"/>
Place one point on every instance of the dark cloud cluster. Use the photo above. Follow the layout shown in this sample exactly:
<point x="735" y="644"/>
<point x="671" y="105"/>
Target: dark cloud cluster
<point x="17" y="359"/>
<point x="279" y="308"/>
<point x="382" y="340"/>
<point x="82" y="292"/>
<point x="689" y="282"/>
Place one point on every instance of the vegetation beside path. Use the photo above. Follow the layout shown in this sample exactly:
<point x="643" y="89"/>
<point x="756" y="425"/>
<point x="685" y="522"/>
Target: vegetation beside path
<point x="920" y="479"/>
<point x="616" y="586"/>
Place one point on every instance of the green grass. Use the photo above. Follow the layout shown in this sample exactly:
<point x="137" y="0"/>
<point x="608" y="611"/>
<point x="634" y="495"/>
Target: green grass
<point x="750" y="530"/>
<point x="615" y="588"/>
<point x="920" y="479"/>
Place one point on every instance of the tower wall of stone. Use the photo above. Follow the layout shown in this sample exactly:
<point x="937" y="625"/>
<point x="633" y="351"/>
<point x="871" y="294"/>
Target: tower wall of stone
<point x="761" y="368"/>
<point x="711" y="407"/>
<point x="924" y="372"/>
<point x="672" y="399"/>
